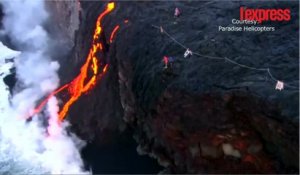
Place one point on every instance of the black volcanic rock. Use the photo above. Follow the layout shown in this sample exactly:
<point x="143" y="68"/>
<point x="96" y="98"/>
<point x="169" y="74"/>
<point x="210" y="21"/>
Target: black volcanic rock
<point x="10" y="80"/>
<point x="214" y="133"/>
<point x="201" y="115"/>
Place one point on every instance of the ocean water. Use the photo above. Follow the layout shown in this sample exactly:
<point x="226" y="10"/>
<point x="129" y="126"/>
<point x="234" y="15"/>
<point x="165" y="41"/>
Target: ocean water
<point x="10" y="157"/>
<point x="119" y="157"/>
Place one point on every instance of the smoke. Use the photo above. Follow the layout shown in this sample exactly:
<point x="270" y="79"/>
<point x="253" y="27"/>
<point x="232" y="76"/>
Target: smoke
<point x="64" y="145"/>
<point x="57" y="151"/>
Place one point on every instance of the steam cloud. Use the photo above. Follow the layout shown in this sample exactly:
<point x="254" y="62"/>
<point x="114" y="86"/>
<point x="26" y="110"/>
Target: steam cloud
<point x="58" y="152"/>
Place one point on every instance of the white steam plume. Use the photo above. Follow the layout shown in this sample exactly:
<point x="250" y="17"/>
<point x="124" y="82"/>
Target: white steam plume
<point x="58" y="152"/>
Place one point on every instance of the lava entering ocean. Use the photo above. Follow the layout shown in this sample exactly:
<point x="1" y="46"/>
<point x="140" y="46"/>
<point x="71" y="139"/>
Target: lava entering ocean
<point x="81" y="84"/>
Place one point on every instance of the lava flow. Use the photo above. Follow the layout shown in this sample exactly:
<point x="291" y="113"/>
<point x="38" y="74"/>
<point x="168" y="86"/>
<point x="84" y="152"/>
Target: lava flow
<point x="113" y="33"/>
<point x="81" y="84"/>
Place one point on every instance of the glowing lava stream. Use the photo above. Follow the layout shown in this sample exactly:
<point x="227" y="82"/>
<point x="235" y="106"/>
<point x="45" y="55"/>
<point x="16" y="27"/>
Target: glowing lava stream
<point x="78" y="85"/>
<point x="113" y="33"/>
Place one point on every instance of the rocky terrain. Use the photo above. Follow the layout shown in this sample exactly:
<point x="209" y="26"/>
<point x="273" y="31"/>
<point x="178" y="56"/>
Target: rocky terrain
<point x="200" y="115"/>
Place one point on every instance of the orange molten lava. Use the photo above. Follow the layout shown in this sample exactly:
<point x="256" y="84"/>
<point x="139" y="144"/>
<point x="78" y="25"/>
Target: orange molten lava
<point x="81" y="84"/>
<point x="44" y="102"/>
<point x="110" y="6"/>
<point x="113" y="33"/>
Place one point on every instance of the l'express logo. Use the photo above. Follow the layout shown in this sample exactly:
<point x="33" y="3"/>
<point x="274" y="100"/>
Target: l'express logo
<point x="261" y="15"/>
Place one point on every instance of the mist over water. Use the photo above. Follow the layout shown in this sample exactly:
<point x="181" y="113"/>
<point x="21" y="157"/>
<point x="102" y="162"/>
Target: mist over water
<point x="30" y="147"/>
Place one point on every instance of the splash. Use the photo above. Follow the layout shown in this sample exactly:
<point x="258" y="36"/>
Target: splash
<point x="81" y="84"/>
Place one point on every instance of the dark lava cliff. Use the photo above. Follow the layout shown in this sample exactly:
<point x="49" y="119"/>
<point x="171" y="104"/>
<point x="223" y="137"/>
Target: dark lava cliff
<point x="200" y="115"/>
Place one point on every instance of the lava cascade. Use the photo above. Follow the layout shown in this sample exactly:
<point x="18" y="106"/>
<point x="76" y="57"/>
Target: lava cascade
<point x="81" y="84"/>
